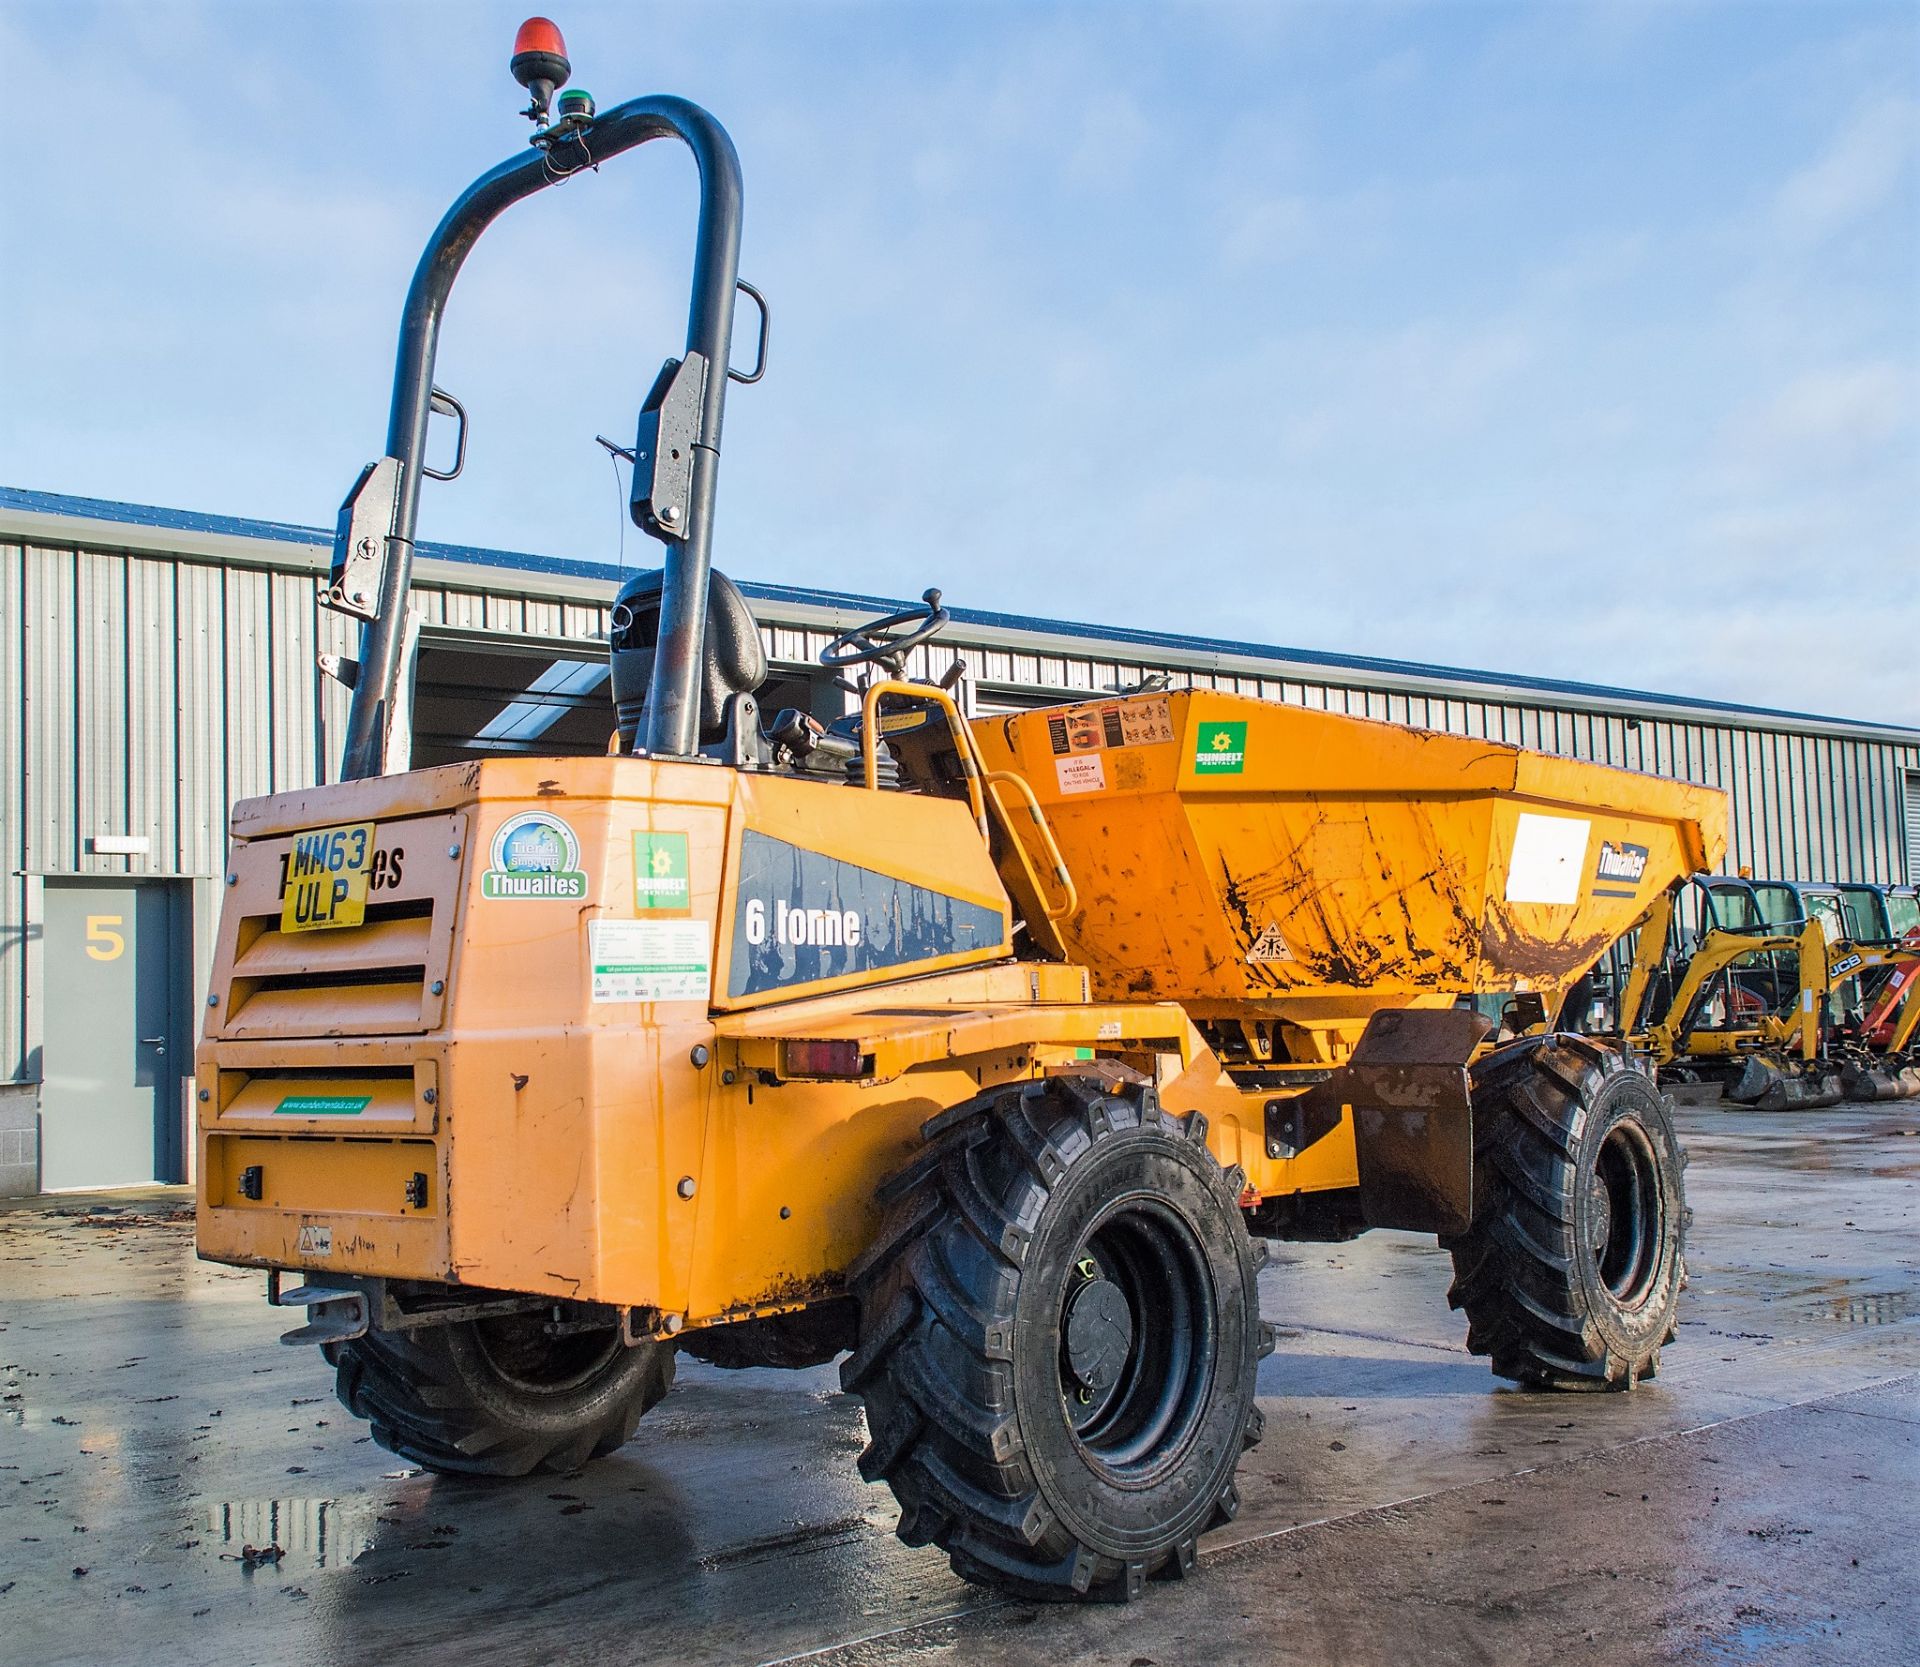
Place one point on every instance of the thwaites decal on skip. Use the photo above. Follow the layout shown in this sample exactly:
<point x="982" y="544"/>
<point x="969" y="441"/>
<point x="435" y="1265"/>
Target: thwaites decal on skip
<point x="1618" y="866"/>
<point x="800" y="917"/>
<point x="534" y="855"/>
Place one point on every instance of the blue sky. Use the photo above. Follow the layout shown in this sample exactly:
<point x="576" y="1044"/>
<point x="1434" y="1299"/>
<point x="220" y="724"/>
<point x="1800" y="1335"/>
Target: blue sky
<point x="1572" y="341"/>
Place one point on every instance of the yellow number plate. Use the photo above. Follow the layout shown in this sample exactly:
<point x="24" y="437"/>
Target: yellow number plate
<point x="324" y="882"/>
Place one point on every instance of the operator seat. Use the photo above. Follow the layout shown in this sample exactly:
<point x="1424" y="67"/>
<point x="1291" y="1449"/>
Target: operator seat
<point x="732" y="661"/>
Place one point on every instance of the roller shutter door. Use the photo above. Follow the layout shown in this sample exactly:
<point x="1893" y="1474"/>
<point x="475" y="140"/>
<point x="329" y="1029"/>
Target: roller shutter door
<point x="1913" y="827"/>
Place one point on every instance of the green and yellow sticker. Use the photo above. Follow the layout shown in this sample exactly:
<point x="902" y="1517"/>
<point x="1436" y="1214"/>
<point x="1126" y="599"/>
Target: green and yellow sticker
<point x="660" y="882"/>
<point x="323" y="1105"/>
<point x="1220" y="749"/>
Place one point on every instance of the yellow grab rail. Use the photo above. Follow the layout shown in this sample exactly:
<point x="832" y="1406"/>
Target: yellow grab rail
<point x="1071" y="905"/>
<point x="962" y="739"/>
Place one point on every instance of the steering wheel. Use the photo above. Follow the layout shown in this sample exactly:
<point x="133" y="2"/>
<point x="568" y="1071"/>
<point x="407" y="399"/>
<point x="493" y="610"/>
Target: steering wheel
<point x="866" y="644"/>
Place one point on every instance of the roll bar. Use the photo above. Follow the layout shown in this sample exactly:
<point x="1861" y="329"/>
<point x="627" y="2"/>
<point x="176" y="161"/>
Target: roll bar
<point x="377" y="522"/>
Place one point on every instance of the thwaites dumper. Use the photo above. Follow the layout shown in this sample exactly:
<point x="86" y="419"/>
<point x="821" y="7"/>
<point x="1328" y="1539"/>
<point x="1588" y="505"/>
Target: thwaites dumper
<point x="988" y="1054"/>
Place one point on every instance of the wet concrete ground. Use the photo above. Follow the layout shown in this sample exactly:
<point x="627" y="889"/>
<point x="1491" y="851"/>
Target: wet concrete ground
<point x="1756" y="1503"/>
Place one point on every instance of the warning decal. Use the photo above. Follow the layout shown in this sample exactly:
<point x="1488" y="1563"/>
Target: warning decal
<point x="1113" y="723"/>
<point x="1269" y="946"/>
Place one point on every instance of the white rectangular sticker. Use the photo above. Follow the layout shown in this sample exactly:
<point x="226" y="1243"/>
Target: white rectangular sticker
<point x="1083" y="773"/>
<point x="1549" y="859"/>
<point x="650" y="960"/>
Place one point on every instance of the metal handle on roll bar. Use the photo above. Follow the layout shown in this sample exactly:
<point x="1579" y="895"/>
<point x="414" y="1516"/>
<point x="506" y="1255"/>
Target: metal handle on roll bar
<point x="445" y="405"/>
<point x="760" y="359"/>
<point x="673" y="701"/>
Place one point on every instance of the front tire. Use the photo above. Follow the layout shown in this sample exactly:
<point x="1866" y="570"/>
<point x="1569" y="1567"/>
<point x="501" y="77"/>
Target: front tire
<point x="499" y="1397"/>
<point x="1571" y="1272"/>
<point x="1059" y="1334"/>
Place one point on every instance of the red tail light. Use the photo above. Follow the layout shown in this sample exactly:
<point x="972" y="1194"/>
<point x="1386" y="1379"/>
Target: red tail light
<point x="824" y="1059"/>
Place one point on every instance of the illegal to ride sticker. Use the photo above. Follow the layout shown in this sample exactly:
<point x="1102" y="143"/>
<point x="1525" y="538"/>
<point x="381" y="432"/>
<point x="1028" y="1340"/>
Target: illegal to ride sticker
<point x="650" y="960"/>
<point x="534" y="855"/>
<point x="1220" y="749"/>
<point x="1084" y="774"/>
<point x="660" y="873"/>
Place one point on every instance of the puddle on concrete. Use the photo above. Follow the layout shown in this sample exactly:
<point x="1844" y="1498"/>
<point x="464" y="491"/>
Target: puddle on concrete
<point x="1873" y="1308"/>
<point x="313" y="1533"/>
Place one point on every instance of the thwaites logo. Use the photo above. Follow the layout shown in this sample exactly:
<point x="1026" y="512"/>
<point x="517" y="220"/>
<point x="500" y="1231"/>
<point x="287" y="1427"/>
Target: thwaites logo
<point x="534" y="855"/>
<point x="1626" y="863"/>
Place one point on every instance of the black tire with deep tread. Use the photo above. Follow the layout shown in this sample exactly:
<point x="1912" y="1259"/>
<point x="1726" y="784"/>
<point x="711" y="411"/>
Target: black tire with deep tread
<point x="961" y="1376"/>
<point x="437" y="1397"/>
<point x="1532" y="1273"/>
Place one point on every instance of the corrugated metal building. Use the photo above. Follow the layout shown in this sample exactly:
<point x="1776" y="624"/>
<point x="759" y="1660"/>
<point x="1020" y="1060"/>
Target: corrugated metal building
<point x="155" y="666"/>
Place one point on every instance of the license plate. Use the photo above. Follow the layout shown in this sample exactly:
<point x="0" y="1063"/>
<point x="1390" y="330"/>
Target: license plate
<point x="323" y="882"/>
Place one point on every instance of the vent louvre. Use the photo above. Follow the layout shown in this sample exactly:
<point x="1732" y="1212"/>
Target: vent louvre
<point x="374" y="979"/>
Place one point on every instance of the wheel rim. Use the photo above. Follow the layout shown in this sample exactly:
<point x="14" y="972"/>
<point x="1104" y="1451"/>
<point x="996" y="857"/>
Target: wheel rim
<point x="1626" y="1214"/>
<point x="523" y="1356"/>
<point x="1137" y="1322"/>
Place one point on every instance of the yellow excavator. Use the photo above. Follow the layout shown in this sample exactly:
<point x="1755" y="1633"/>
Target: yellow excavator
<point x="1787" y="997"/>
<point x="985" y="1053"/>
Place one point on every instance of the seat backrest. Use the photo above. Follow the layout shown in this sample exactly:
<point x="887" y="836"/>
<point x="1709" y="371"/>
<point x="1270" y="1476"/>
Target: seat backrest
<point x="732" y="660"/>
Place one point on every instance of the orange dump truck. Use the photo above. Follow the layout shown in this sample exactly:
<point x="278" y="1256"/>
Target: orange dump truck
<point x="985" y="1054"/>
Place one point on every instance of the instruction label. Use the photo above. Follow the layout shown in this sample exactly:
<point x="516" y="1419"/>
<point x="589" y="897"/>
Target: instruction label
<point x="1138" y="722"/>
<point x="650" y="960"/>
<point x="1085" y="774"/>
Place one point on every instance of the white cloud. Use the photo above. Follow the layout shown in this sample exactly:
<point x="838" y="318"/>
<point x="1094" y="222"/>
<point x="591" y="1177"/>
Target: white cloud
<point x="1836" y="417"/>
<point x="1854" y="176"/>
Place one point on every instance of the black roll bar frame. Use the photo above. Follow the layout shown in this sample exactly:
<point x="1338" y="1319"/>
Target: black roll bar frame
<point x="673" y="709"/>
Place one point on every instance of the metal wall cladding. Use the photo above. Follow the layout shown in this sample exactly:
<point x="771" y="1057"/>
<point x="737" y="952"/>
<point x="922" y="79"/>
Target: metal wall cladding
<point x="1804" y="806"/>
<point x="143" y="694"/>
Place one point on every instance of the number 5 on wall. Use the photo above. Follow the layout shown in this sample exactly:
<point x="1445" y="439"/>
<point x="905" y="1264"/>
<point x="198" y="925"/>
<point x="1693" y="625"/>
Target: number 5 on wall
<point x="104" y="943"/>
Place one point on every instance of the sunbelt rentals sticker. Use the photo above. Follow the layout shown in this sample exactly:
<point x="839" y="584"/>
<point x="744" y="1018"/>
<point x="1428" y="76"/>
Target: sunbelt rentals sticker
<point x="534" y="854"/>
<point x="660" y="874"/>
<point x="1220" y="749"/>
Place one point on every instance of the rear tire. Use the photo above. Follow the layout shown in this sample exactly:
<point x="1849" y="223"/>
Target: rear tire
<point x="1059" y="1333"/>
<point x="498" y="1397"/>
<point x="1572" y="1270"/>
